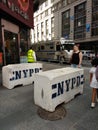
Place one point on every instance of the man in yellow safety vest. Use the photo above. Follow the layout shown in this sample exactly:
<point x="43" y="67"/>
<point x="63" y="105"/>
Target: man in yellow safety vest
<point x="31" y="55"/>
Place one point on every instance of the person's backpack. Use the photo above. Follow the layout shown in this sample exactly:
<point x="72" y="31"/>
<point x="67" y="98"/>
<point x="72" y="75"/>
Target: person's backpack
<point x="96" y="73"/>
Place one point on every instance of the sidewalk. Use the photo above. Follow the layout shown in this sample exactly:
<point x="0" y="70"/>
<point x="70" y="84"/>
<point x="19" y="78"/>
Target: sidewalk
<point x="18" y="111"/>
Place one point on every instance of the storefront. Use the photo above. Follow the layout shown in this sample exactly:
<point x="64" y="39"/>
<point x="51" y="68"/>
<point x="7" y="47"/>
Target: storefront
<point x="16" y="20"/>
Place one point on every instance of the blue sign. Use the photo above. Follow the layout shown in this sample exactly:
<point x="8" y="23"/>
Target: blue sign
<point x="87" y="27"/>
<point x="66" y="36"/>
<point x="71" y="17"/>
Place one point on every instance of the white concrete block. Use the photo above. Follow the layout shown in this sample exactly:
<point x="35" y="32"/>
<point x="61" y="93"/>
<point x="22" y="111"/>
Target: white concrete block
<point x="54" y="87"/>
<point x="19" y="74"/>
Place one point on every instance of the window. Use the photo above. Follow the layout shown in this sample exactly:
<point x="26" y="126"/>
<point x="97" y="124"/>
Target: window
<point x="42" y="31"/>
<point x="41" y="7"/>
<point x="94" y="17"/>
<point x="47" y="28"/>
<point x="80" y="21"/>
<point x="38" y="31"/>
<point x="55" y="7"/>
<point x="42" y="25"/>
<point x="95" y="3"/>
<point x="46" y="13"/>
<point x="64" y="2"/>
<point x="52" y="27"/>
<point x="36" y="18"/>
<point x="23" y="41"/>
<point x="51" y="47"/>
<point x="39" y="18"/>
<point x="11" y="46"/>
<point x="46" y="3"/>
<point x="52" y="9"/>
<point x="52" y="22"/>
<point x="58" y="47"/>
<point x="42" y="47"/>
<point x="59" y="5"/>
<point x="47" y="23"/>
<point x="43" y="15"/>
<point x="80" y="7"/>
<point x="66" y="23"/>
<point x="52" y="32"/>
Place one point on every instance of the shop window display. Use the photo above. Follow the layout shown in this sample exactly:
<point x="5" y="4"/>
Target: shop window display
<point x="23" y="45"/>
<point x="11" y="48"/>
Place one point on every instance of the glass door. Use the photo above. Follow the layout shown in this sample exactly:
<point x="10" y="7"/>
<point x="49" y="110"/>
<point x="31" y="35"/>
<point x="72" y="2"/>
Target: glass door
<point x="11" y="47"/>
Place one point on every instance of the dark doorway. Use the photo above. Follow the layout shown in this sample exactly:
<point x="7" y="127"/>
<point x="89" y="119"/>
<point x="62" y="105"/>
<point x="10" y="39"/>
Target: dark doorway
<point x="11" y="47"/>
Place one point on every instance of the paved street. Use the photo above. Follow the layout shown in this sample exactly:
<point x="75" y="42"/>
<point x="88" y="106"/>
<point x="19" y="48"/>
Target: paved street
<point x="18" y="111"/>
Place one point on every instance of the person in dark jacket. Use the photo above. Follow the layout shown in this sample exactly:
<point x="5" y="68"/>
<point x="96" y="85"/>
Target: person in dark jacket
<point x="76" y="58"/>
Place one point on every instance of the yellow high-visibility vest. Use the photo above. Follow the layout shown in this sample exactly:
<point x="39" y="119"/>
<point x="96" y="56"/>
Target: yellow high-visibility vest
<point x="30" y="56"/>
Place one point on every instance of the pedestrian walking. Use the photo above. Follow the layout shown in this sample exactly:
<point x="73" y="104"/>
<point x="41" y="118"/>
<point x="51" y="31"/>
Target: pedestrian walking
<point x="94" y="81"/>
<point x="31" y="56"/>
<point x="76" y="58"/>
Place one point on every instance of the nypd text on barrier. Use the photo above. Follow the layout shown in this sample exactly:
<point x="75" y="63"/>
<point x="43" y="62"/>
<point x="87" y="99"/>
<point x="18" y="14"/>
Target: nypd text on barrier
<point x="24" y="73"/>
<point x="67" y="85"/>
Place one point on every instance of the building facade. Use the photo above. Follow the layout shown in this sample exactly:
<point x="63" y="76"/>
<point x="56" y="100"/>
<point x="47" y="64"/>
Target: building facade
<point x="16" y="20"/>
<point x="72" y="19"/>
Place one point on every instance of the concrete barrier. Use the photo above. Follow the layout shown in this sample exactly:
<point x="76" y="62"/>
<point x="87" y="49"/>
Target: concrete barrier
<point x="19" y="74"/>
<point x="54" y="87"/>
